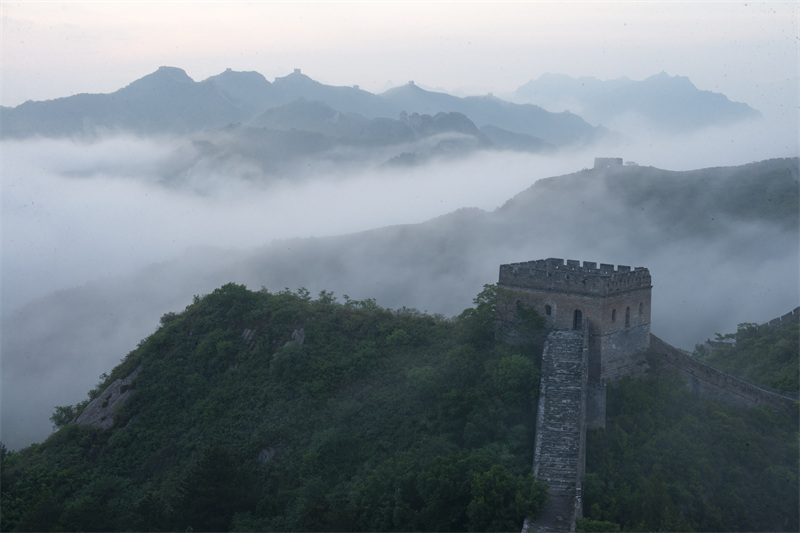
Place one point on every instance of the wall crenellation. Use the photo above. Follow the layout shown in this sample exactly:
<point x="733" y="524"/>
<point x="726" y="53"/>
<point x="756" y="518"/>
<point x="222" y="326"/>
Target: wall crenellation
<point x="792" y="317"/>
<point x="555" y="274"/>
<point x="613" y="303"/>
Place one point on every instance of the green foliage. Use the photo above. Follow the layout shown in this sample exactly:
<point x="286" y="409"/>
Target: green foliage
<point x="212" y="491"/>
<point x="763" y="355"/>
<point x="587" y="525"/>
<point x="455" y="492"/>
<point x="478" y="323"/>
<point x="668" y="461"/>
<point x="384" y="420"/>
<point x="696" y="202"/>
<point x="63" y="415"/>
<point x="377" y="420"/>
<point x="493" y="490"/>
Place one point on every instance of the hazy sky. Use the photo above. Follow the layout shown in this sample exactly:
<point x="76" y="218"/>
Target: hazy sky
<point x="54" y="49"/>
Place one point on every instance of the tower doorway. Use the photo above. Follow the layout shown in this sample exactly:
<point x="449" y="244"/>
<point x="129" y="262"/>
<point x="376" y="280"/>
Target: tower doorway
<point x="577" y="320"/>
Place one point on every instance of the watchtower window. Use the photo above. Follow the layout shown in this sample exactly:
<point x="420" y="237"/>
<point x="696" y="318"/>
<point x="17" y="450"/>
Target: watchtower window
<point x="641" y="309"/>
<point x="548" y="310"/>
<point x="577" y="321"/>
<point x="613" y="315"/>
<point x="627" y="317"/>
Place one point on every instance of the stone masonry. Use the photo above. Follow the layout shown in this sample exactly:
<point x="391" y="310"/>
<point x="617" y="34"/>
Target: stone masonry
<point x="709" y="382"/>
<point x="560" y="448"/>
<point x="599" y="318"/>
<point x="615" y="300"/>
<point x="599" y="322"/>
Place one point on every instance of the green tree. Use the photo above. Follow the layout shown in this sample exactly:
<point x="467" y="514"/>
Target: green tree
<point x="63" y="415"/>
<point x="213" y="490"/>
<point x="501" y="501"/>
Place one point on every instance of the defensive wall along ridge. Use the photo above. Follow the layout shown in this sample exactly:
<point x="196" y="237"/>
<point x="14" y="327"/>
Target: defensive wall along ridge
<point x="560" y="447"/>
<point x="787" y="319"/>
<point x="599" y="322"/>
<point x="712" y="383"/>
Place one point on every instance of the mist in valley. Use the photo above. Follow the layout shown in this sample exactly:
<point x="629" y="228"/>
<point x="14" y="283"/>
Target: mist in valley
<point x="101" y="238"/>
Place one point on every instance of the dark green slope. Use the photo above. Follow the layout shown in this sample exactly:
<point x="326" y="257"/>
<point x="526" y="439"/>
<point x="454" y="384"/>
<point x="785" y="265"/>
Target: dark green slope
<point x="379" y="420"/>
<point x="695" y="205"/>
<point x="668" y="461"/>
<point x="277" y="412"/>
<point x="767" y="356"/>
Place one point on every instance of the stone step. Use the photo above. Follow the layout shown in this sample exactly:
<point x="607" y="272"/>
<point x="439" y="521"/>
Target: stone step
<point x="559" y="429"/>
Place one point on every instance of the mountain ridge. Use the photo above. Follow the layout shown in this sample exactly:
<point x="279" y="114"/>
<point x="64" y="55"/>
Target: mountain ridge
<point x="661" y="101"/>
<point x="168" y="100"/>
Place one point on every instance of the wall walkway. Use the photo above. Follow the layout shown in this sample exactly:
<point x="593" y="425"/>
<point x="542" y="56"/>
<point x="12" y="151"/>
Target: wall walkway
<point x="560" y="449"/>
<point x="709" y="382"/>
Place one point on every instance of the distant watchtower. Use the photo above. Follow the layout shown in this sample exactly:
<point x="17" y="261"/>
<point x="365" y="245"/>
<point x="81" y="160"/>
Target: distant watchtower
<point x="614" y="303"/>
<point x="607" y="162"/>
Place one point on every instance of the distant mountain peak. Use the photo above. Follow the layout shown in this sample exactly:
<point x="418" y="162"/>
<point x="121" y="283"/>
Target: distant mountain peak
<point x="162" y="77"/>
<point x="171" y="73"/>
<point x="669" y="103"/>
<point x="663" y="77"/>
<point x="295" y="78"/>
<point x="408" y="88"/>
<point x="237" y="82"/>
<point x="229" y="73"/>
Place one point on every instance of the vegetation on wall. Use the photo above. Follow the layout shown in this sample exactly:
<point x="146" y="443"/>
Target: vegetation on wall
<point x="758" y="353"/>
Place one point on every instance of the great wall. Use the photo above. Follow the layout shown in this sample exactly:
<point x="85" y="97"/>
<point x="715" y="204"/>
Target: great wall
<point x="599" y="323"/>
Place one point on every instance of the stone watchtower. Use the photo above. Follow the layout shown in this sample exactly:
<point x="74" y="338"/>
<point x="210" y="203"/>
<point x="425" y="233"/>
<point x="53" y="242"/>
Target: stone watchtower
<point x="600" y="331"/>
<point x="613" y="303"/>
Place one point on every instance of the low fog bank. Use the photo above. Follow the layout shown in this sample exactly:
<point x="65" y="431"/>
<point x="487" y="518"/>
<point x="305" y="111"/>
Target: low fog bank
<point x="738" y="144"/>
<point x="94" y="254"/>
<point x="59" y="345"/>
<point x="75" y="212"/>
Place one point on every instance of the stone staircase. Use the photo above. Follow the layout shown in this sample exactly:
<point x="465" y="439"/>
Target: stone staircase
<point x="560" y="450"/>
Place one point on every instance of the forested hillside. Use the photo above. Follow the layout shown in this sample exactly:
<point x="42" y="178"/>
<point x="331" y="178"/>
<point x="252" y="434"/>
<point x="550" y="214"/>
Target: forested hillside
<point x="278" y="412"/>
<point x="258" y="411"/>
<point x="764" y="355"/>
<point x="669" y="461"/>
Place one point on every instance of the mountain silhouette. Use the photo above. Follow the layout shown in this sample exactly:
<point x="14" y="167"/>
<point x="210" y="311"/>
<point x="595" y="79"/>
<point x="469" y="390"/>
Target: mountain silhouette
<point x="168" y="101"/>
<point x="661" y="102"/>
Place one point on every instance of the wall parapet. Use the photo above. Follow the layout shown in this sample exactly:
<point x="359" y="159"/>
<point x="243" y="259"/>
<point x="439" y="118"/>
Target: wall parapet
<point x="713" y="383"/>
<point x="572" y="276"/>
<point x="792" y="317"/>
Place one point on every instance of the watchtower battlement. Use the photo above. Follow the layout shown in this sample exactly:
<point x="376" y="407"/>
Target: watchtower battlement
<point x="553" y="274"/>
<point x="611" y="302"/>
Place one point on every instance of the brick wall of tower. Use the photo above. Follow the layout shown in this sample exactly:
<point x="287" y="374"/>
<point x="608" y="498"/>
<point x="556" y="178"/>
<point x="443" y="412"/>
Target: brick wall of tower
<point x="603" y="296"/>
<point x="624" y="341"/>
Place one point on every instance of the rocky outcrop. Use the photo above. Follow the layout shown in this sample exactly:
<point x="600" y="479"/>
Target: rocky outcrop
<point x="100" y="411"/>
<point x="298" y="337"/>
